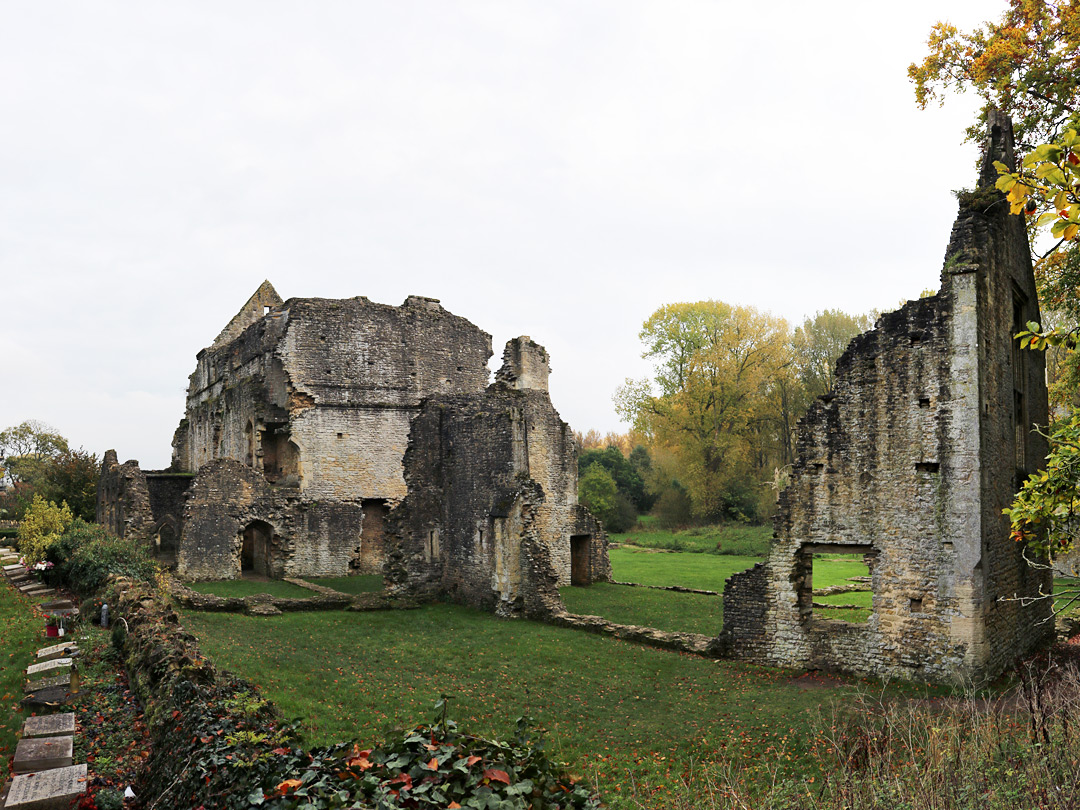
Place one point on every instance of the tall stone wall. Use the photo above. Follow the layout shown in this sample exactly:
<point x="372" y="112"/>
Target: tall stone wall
<point x="123" y="499"/>
<point x="492" y="505"/>
<point x="907" y="464"/>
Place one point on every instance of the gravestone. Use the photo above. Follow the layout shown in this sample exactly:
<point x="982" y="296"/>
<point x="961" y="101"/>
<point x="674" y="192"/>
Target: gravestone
<point x="13" y="566"/>
<point x="48" y="698"/>
<point x="57" y="789"/>
<point x="49" y="725"/>
<point x="58" y="651"/>
<point x="46" y="667"/>
<point x="58" y="604"/>
<point x="42" y="754"/>
<point x="43" y="591"/>
<point x="48" y="683"/>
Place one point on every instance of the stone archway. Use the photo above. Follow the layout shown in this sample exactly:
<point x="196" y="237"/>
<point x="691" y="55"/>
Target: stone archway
<point x="255" y="548"/>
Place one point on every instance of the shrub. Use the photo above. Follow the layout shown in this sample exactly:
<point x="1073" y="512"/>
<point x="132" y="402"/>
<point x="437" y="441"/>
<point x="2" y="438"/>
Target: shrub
<point x="41" y="528"/>
<point x="673" y="508"/>
<point x="86" y="554"/>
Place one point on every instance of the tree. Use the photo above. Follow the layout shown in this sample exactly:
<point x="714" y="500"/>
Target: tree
<point x="819" y="343"/>
<point x="1027" y="65"/>
<point x="627" y="478"/>
<point x="72" y="477"/>
<point x="597" y="490"/>
<point x="25" y="448"/>
<point x="714" y="367"/>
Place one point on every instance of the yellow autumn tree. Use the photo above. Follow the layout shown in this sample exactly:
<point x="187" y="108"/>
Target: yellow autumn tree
<point x="709" y="400"/>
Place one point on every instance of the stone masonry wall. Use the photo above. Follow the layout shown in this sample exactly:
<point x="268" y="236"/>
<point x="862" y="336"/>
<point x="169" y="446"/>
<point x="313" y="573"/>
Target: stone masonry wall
<point x="123" y="499"/>
<point x="492" y="504"/>
<point x="908" y="463"/>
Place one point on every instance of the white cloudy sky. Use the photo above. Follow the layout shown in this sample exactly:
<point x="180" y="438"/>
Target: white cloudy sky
<point x="551" y="168"/>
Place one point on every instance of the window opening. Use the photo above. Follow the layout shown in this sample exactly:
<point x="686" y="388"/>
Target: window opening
<point x="255" y="548"/>
<point x="834" y="582"/>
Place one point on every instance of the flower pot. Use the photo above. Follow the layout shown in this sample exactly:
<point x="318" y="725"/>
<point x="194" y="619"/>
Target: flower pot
<point x="52" y="631"/>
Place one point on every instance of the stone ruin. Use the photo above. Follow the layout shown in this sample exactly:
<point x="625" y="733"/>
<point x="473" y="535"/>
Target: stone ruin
<point x="336" y="437"/>
<point x="907" y="463"/>
<point x="333" y="437"/>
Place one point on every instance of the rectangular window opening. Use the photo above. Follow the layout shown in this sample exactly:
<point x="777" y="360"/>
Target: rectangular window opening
<point x="834" y="582"/>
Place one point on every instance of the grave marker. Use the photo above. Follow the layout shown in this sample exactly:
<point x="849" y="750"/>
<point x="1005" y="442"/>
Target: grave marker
<point x="49" y="725"/>
<point x="47" y="666"/>
<point x="48" y="683"/>
<point x="48" y="790"/>
<point x="42" y="754"/>
<point x="58" y="651"/>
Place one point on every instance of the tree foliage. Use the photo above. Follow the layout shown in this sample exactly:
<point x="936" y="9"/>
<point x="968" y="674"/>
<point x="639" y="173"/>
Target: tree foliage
<point x="709" y="398"/>
<point x="1027" y="65"/>
<point x="41" y="527"/>
<point x="597" y="490"/>
<point x="25" y="448"/>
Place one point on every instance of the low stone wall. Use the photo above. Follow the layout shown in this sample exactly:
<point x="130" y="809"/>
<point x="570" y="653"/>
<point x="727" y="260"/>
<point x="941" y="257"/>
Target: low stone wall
<point x="676" y="588"/>
<point x="694" y="643"/>
<point x="262" y="604"/>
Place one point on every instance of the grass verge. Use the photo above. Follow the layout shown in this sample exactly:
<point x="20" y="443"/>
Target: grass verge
<point x="22" y="633"/>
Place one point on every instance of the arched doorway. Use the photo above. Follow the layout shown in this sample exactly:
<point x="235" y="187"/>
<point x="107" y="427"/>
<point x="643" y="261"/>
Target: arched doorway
<point x="255" y="548"/>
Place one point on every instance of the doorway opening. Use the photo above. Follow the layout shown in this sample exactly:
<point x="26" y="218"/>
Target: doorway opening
<point x="255" y="548"/>
<point x="580" y="559"/>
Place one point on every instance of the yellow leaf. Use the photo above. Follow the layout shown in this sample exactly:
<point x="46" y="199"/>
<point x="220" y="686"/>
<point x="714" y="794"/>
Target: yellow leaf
<point x="1061" y="201"/>
<point x="1071" y="231"/>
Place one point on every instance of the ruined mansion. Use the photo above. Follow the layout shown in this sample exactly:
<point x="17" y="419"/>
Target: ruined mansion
<point x="336" y="437"/>
<point x="327" y="437"/>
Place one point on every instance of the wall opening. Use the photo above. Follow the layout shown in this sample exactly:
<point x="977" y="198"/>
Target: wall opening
<point x="580" y="559"/>
<point x="281" y="457"/>
<point x="255" y="548"/>
<point x="431" y="545"/>
<point x="249" y="444"/>
<point x="833" y="581"/>
<point x="373" y="535"/>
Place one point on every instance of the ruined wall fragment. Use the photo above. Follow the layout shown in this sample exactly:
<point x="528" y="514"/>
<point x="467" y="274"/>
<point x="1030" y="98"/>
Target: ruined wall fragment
<point x="910" y="460"/>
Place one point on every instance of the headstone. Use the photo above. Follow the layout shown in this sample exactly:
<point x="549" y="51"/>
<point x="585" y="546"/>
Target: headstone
<point x="49" y="725"/>
<point x="46" y="666"/>
<point x="33" y="586"/>
<point x="57" y="789"/>
<point x="58" y="604"/>
<point x="13" y="566"/>
<point x="47" y="683"/>
<point x="42" y="754"/>
<point x="73" y="611"/>
<point x="48" y="698"/>
<point x="58" y="651"/>
<point x="43" y="592"/>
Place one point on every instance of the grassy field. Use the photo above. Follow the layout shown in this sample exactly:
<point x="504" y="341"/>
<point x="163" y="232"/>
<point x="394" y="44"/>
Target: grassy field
<point x="698" y="613"/>
<point x="727" y="538"/>
<point x="250" y="587"/>
<point x="357" y="585"/>
<point x="21" y="634"/>
<point x="619" y="713"/>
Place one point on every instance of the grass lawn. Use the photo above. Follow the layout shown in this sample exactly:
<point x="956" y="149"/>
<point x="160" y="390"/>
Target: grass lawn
<point x="727" y="538"/>
<point x="250" y="587"/>
<point x="365" y="583"/>
<point x="618" y="712"/>
<point x="664" y="610"/>
<point x="676" y="568"/>
<point x="21" y="634"/>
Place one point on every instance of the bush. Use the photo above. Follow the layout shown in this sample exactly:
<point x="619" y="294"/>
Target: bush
<point x="673" y="508"/>
<point x="86" y="554"/>
<point x="41" y="528"/>
<point x="597" y="491"/>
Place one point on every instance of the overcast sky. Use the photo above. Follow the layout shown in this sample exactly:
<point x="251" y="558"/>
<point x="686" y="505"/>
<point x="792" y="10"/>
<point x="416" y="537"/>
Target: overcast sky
<point x="555" y="169"/>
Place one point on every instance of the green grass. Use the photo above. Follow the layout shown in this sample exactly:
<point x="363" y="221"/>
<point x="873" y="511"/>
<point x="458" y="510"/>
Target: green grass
<point x="664" y="610"/>
<point x="248" y="587"/>
<point x="688" y="570"/>
<point x="21" y="635"/>
<point x="838" y="569"/>
<point x="728" y="538"/>
<point x="620" y="713"/>
<point x="364" y="583"/>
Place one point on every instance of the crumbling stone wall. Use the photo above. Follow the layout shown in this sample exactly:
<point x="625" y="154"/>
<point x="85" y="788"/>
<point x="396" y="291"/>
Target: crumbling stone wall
<point x="909" y="461"/>
<point x="123" y="499"/>
<point x="492" y="504"/>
